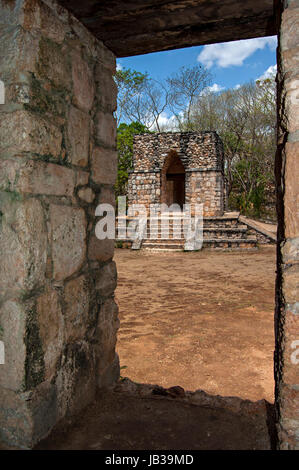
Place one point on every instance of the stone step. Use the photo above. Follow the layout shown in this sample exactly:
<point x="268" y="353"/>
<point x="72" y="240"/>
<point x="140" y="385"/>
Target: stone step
<point x="164" y="240"/>
<point x="164" y="244"/>
<point x="217" y="233"/>
<point x="163" y="247"/>
<point x="212" y="243"/>
<point x="225" y="232"/>
<point x="240" y="228"/>
<point x="220" y="223"/>
<point x="210" y="224"/>
<point x="231" y="244"/>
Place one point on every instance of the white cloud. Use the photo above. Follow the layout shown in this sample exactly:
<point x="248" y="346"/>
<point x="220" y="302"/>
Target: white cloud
<point x="236" y="87"/>
<point x="166" y="123"/>
<point x="215" y="88"/>
<point x="119" y="66"/>
<point x="233" y="53"/>
<point x="269" y="73"/>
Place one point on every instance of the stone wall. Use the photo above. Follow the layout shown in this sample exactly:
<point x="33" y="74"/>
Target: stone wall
<point x="208" y="187"/>
<point x="144" y="187"/>
<point x="58" y="161"/>
<point x="201" y="154"/>
<point x="195" y="149"/>
<point x="287" y="177"/>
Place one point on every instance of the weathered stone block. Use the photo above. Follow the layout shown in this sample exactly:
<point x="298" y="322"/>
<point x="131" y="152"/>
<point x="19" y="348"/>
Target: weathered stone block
<point x="110" y="375"/>
<point x="86" y="194"/>
<point x="100" y="250"/>
<point x="18" y="52"/>
<point x="107" y="196"/>
<point x="27" y="417"/>
<point x="290" y="251"/>
<point x="82" y="178"/>
<point x="83" y="83"/>
<point x="290" y="59"/>
<point x="106" y="89"/>
<point x="289" y="29"/>
<point x="292" y="103"/>
<point x="104" y="166"/>
<point x="76" y="297"/>
<point x="108" y="324"/>
<point x="289" y="399"/>
<point x="37" y="177"/>
<point x="24" y="362"/>
<point x="11" y="14"/>
<point x="13" y="323"/>
<point x="76" y="379"/>
<point x="78" y="134"/>
<point x="291" y="284"/>
<point x="23" y="254"/>
<point x="107" y="58"/>
<point x="51" y="330"/>
<point x="106" y="281"/>
<point x="68" y="238"/>
<point x="106" y="128"/>
<point x="8" y="174"/>
<point x="40" y="98"/>
<point x="23" y="131"/>
<point x="16" y="425"/>
<point x="38" y="16"/>
<point x="52" y="65"/>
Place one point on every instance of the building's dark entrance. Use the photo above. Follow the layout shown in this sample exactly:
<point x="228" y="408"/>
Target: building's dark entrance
<point x="174" y="181"/>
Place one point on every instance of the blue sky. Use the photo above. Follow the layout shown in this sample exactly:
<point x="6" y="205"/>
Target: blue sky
<point x="231" y="63"/>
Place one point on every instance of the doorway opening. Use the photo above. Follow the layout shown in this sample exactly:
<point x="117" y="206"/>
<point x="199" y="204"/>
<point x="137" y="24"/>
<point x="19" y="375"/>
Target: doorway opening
<point x="173" y="180"/>
<point x="192" y="319"/>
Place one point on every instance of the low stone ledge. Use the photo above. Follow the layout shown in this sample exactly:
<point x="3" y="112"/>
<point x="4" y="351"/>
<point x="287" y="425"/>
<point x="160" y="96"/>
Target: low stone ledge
<point x="266" y="233"/>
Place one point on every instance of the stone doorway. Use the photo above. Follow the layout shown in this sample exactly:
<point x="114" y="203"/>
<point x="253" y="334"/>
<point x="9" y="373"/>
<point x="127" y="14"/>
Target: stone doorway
<point x="44" y="176"/>
<point x="173" y="181"/>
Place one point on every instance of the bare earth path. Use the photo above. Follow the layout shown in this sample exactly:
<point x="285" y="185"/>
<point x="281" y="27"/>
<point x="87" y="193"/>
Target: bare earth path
<point x="199" y="320"/>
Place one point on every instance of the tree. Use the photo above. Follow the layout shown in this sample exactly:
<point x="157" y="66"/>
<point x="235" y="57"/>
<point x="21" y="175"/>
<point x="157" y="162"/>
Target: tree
<point x="245" y="118"/>
<point x="155" y="96"/>
<point x="125" y="136"/>
<point x="140" y="98"/>
<point x="129" y="85"/>
<point x="185" y="88"/>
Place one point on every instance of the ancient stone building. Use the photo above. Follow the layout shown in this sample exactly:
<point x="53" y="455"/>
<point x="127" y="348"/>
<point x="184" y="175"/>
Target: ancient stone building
<point x="58" y="316"/>
<point x="178" y="168"/>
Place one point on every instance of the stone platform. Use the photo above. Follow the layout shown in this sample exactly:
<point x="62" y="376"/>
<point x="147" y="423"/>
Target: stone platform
<point x="227" y="232"/>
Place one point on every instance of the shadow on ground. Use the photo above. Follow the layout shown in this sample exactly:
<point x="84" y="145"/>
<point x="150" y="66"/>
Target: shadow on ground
<point x="141" y="416"/>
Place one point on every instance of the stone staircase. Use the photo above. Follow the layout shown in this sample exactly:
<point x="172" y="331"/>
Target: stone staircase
<point x="219" y="233"/>
<point x="227" y="233"/>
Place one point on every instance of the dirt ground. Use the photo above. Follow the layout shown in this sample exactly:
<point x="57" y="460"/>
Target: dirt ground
<point x="201" y="320"/>
<point x="120" y="420"/>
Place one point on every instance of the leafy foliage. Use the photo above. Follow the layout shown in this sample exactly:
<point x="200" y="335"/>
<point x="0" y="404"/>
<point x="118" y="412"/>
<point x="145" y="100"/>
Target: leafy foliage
<point x="245" y="118"/>
<point x="125" y="136"/>
<point x="129" y="84"/>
